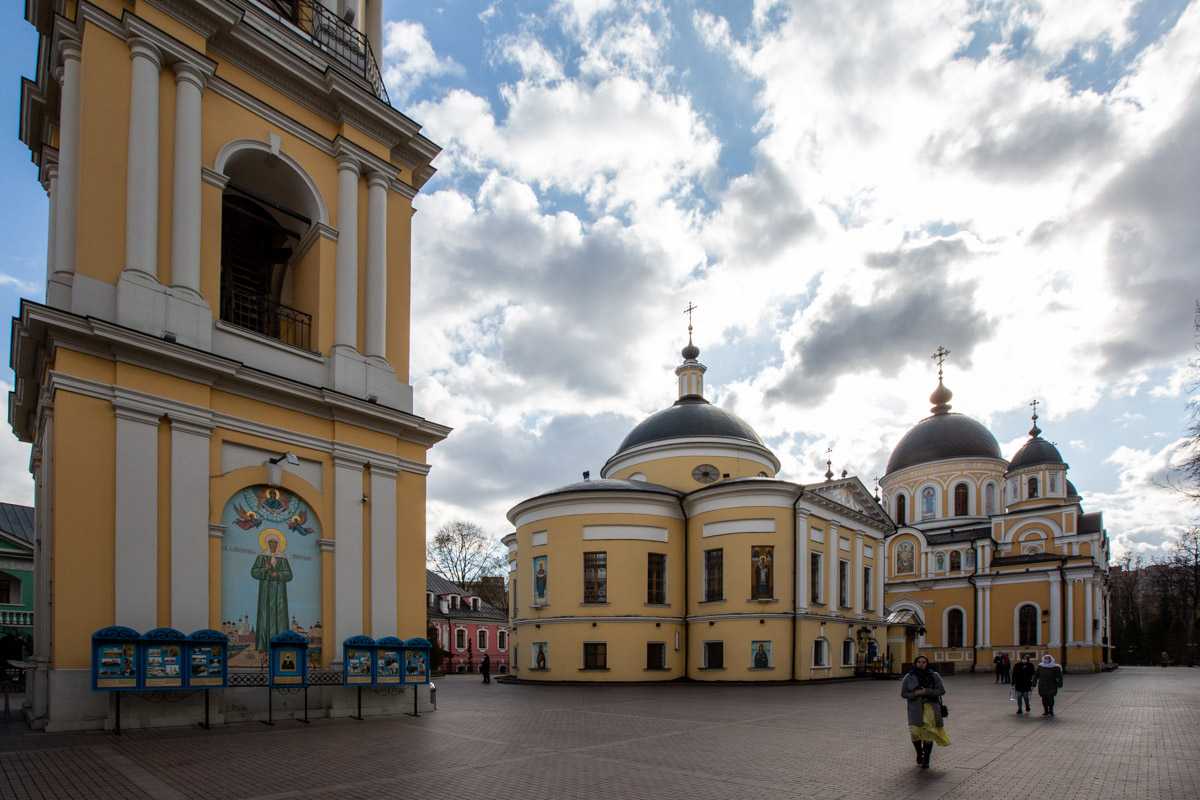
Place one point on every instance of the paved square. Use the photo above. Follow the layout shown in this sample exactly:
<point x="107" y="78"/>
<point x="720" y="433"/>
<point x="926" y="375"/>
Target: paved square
<point x="1134" y="733"/>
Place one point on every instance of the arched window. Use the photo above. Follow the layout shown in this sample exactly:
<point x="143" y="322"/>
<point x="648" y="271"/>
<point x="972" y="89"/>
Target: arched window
<point x="960" y="500"/>
<point x="482" y="636"/>
<point x="900" y="520"/>
<point x="819" y="653"/>
<point x="954" y="628"/>
<point x="1027" y="626"/>
<point x="955" y="560"/>
<point x="1033" y="487"/>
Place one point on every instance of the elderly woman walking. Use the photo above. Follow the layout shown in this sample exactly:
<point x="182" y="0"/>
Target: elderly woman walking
<point x="1049" y="681"/>
<point x="923" y="690"/>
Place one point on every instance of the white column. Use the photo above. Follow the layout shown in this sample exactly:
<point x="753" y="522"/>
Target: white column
<point x="186" y="179"/>
<point x="831" y="567"/>
<point x="52" y="226"/>
<point x="189" y="524"/>
<point x="1097" y="612"/>
<point x="1086" y="635"/>
<point x="141" y="182"/>
<point x="376" y="289"/>
<point x="135" y="575"/>
<point x="880" y="574"/>
<point x="383" y="551"/>
<point x="1055" y="611"/>
<point x="345" y="323"/>
<point x="348" y="552"/>
<point x="372" y="26"/>
<point x="979" y="614"/>
<point x="856" y="572"/>
<point x="802" y="568"/>
<point x="66" y="222"/>
<point x="1070" y="612"/>
<point x="987" y="615"/>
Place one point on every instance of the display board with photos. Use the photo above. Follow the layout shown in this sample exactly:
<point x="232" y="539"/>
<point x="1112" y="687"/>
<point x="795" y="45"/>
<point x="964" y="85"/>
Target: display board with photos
<point x="162" y="656"/>
<point x="116" y="665"/>
<point x="206" y="659"/>
<point x="289" y="659"/>
<point x="358" y="661"/>
<point x="416" y="660"/>
<point x="388" y="651"/>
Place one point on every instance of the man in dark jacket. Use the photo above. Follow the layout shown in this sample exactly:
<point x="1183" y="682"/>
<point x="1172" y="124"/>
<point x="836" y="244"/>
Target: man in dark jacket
<point x="1022" y="681"/>
<point x="486" y="668"/>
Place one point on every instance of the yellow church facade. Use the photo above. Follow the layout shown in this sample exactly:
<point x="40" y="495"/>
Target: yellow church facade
<point x="219" y="370"/>
<point x="991" y="555"/>
<point x="689" y="558"/>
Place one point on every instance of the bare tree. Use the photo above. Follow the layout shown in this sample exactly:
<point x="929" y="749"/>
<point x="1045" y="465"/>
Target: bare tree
<point x="464" y="553"/>
<point x="1189" y="484"/>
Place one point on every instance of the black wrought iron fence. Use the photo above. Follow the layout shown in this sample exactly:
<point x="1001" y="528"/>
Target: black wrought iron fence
<point x="337" y="37"/>
<point x="260" y="314"/>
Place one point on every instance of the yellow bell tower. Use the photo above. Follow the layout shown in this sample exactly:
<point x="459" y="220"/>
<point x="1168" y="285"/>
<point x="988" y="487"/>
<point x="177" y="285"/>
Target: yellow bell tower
<point x="219" y="369"/>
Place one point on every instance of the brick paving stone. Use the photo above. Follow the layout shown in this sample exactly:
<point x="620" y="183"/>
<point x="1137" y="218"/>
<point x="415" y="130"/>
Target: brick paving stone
<point x="1133" y="733"/>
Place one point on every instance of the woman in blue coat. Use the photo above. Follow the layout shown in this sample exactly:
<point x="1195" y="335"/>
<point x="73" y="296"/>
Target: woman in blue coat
<point x="923" y="690"/>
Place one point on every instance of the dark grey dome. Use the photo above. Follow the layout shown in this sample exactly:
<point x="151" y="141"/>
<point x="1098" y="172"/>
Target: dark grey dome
<point x="941" y="436"/>
<point x="1071" y="490"/>
<point x="1035" y="452"/>
<point x="612" y="485"/>
<point x="690" y="416"/>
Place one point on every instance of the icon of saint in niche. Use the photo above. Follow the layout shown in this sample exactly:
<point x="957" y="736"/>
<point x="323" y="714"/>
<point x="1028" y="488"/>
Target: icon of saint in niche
<point x="539" y="580"/>
<point x="272" y="571"/>
<point x="761" y="659"/>
<point x="272" y="499"/>
<point x="287" y="661"/>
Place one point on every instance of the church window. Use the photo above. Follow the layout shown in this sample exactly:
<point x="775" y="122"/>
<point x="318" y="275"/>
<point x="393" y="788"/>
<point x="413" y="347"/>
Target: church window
<point x="481" y="640"/>
<point x="501" y="640"/>
<point x="954" y="628"/>
<point x="819" y="653"/>
<point x="595" y="577"/>
<point x="900" y="503"/>
<point x="714" y="575"/>
<point x="960" y="500"/>
<point x="956" y="560"/>
<point x="656" y="655"/>
<point x="1027" y="626"/>
<point x="595" y="655"/>
<point x="5" y="590"/>
<point x="848" y="653"/>
<point x="714" y="655"/>
<point x="656" y="578"/>
<point x="989" y="499"/>
<point x="868" y="600"/>
<point x="927" y="498"/>
<point x="1033" y="487"/>
<point x="844" y="584"/>
<point x="814" y="577"/>
<point x="460" y="639"/>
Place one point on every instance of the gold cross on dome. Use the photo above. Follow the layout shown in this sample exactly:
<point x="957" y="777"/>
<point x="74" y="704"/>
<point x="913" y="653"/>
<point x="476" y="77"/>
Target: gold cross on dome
<point x="689" y="311"/>
<point x="1035" y="405"/>
<point x="940" y="355"/>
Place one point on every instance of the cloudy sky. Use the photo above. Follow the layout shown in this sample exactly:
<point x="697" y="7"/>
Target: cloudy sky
<point x="840" y="187"/>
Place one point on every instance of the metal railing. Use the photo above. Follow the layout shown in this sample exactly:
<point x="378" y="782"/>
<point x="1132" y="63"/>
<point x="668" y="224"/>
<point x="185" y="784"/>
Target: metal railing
<point x="337" y="37"/>
<point x="253" y="312"/>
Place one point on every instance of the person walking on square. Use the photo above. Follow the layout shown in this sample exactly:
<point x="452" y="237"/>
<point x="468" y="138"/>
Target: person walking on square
<point x="1049" y="681"/>
<point x="1005" y="668"/>
<point x="486" y="668"/>
<point x="923" y="690"/>
<point x="1022" y="681"/>
<point x="999" y="662"/>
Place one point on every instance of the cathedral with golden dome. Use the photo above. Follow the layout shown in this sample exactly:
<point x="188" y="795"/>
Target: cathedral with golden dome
<point x="688" y="557"/>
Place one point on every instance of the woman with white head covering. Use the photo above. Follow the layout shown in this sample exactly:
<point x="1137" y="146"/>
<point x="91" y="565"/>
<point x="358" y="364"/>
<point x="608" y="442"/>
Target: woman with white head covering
<point x="923" y="690"/>
<point x="1049" y="681"/>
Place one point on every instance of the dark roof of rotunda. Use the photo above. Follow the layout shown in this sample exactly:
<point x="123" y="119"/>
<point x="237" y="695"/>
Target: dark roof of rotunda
<point x="942" y="436"/>
<point x="1035" y="452"/>
<point x="612" y="485"/>
<point x="690" y="416"/>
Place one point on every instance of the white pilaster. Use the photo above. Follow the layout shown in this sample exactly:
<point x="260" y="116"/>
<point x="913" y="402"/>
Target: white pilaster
<point x="1071" y="611"/>
<point x="383" y="551"/>
<point x="348" y="555"/>
<point x="186" y="179"/>
<point x="345" y="323"/>
<point x="831" y="567"/>
<point x="856" y="572"/>
<point x="189" y="524"/>
<point x="1097" y="612"/>
<point x="987" y="616"/>
<point x="803" y="571"/>
<point x="51" y="228"/>
<point x="979" y="614"/>
<point x="1055" y="610"/>
<point x="1087" y="612"/>
<point x="141" y="182"/>
<point x="136" y="524"/>
<point x="66" y="223"/>
<point x="376" y="288"/>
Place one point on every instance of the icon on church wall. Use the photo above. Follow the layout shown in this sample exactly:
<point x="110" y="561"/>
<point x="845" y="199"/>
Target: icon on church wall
<point x="539" y="580"/>
<point x="989" y="499"/>
<point x="762" y="573"/>
<point x="939" y="562"/>
<point x="270" y="572"/>
<point x="760" y="655"/>
<point x="905" y="557"/>
<point x="927" y="495"/>
<point x="540" y="655"/>
<point x="969" y="560"/>
<point x="1053" y="483"/>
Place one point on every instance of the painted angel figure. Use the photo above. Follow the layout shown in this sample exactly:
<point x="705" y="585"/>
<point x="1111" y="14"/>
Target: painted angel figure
<point x="246" y="519"/>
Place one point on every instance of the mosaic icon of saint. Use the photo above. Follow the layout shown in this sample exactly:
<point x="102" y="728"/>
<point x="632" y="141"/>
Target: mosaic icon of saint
<point x="272" y="571"/>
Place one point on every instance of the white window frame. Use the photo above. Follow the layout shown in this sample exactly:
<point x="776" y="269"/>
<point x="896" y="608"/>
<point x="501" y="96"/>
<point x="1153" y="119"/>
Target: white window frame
<point x="868" y="580"/>
<point x="946" y="626"/>
<point x="457" y="631"/>
<point x="501" y="640"/>
<point x="704" y="653"/>
<point x="1017" y="624"/>
<point x="845" y="584"/>
<point x="820" y="583"/>
<point x="850" y="650"/>
<point x="481" y="639"/>
<point x="820" y="647"/>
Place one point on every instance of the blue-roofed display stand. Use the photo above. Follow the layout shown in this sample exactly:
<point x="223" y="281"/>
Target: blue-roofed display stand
<point x="289" y="669"/>
<point x="358" y="665"/>
<point x="161" y="655"/>
<point x="416" y="654"/>
<point x="206" y="661"/>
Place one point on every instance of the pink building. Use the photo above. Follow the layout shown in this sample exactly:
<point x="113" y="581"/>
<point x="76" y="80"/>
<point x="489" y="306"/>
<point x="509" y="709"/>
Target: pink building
<point x="466" y="627"/>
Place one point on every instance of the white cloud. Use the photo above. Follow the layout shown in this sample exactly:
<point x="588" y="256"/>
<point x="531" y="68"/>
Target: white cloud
<point x="408" y="59"/>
